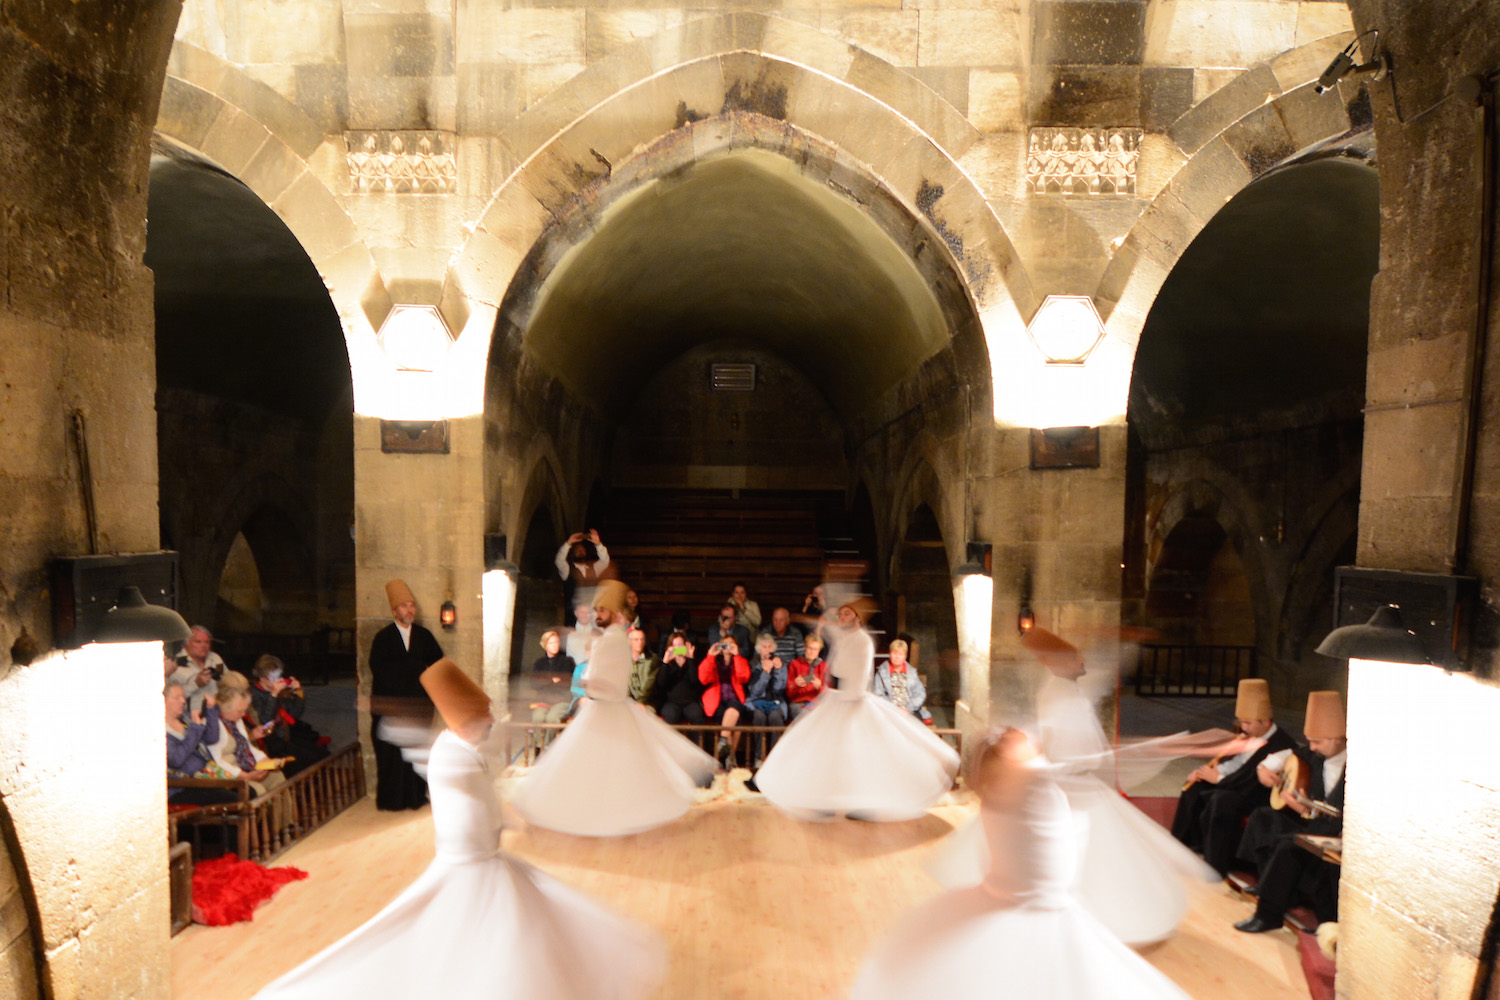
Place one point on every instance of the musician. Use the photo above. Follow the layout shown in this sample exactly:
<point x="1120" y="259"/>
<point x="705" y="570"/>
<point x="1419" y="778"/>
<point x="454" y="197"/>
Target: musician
<point x="1220" y="794"/>
<point x="1286" y="870"/>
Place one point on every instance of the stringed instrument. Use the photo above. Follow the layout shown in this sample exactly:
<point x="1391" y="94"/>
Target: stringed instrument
<point x="1292" y="787"/>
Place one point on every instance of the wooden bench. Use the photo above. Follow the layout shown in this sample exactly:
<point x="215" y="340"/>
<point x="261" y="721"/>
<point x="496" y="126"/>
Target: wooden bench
<point x="266" y="825"/>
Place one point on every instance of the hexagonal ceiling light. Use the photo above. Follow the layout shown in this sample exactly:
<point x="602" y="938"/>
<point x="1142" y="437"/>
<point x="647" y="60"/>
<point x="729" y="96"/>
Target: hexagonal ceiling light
<point x="415" y="337"/>
<point x="1066" y="329"/>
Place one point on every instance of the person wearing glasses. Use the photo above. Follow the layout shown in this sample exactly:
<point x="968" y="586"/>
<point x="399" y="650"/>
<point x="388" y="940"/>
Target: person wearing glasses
<point x="726" y="627"/>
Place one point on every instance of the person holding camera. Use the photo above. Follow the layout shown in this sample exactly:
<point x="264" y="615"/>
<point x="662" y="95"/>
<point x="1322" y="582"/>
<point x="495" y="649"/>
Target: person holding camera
<point x="582" y="561"/>
<point x="727" y="627"/>
<point x="767" y="694"/>
<point x="198" y="668"/>
<point x="278" y="700"/>
<point x="724" y="673"/>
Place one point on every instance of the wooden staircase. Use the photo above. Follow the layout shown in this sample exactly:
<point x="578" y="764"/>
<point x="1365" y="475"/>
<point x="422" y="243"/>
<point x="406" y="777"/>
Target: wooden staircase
<point x="686" y="549"/>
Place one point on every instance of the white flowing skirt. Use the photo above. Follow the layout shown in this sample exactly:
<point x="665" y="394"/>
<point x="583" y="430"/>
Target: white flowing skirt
<point x="615" y="769"/>
<point x="492" y="929"/>
<point x="967" y="945"/>
<point x="861" y="756"/>
<point x="1132" y="873"/>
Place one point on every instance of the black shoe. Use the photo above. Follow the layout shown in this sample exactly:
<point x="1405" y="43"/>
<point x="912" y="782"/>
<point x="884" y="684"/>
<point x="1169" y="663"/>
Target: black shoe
<point x="751" y="786"/>
<point x="1251" y="890"/>
<point x="1257" y="925"/>
<point x="722" y="753"/>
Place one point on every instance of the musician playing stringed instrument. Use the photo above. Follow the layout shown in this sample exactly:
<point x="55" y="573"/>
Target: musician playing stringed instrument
<point x="1311" y="802"/>
<point x="1220" y="794"/>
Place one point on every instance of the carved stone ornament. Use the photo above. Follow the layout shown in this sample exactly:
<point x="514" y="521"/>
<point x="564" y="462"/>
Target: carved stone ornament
<point x="1082" y="161"/>
<point x="407" y="162"/>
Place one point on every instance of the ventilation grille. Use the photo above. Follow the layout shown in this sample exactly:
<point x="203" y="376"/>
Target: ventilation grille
<point x="732" y="378"/>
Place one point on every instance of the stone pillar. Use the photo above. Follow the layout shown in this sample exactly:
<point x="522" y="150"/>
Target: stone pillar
<point x="1420" y="879"/>
<point x="419" y="517"/>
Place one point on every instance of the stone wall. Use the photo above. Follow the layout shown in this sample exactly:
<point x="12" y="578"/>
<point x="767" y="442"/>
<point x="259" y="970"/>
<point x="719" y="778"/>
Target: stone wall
<point x="229" y="468"/>
<point x="1420" y="876"/>
<point x="76" y="338"/>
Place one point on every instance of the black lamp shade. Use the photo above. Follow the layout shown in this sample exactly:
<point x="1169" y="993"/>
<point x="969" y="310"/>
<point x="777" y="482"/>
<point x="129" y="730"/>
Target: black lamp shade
<point x="133" y="620"/>
<point x="1384" y="637"/>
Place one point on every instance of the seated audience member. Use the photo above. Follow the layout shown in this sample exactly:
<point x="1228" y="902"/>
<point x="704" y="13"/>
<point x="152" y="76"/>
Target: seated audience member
<point x="582" y="561"/>
<point x="727" y="628"/>
<point x="279" y="703"/>
<point x="188" y="740"/>
<point x="235" y="751"/>
<point x="582" y="633"/>
<point x="766" y="696"/>
<point x="679" y="692"/>
<point x="644" y="668"/>
<point x="1287" y="871"/>
<point x="805" y="676"/>
<point x="549" y="673"/>
<point x="682" y="625"/>
<point x="1220" y="795"/>
<point x="788" y="635"/>
<point x="724" y="673"/>
<point x="898" y="683"/>
<point x="746" y="611"/>
<point x="198" y="667"/>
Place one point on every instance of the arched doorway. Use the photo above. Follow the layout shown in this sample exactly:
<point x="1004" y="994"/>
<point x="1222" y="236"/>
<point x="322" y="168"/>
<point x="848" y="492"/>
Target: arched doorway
<point x="717" y="350"/>
<point x="254" y="416"/>
<point x="925" y="616"/>
<point x="1246" y="418"/>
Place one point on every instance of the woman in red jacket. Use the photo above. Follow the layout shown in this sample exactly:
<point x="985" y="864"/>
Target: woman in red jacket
<point x="724" y="673"/>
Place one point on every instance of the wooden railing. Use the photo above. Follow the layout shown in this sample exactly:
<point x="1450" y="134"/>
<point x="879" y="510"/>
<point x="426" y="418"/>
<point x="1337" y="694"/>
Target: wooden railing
<point x="1193" y="671"/>
<point x="524" y="740"/>
<point x="268" y="824"/>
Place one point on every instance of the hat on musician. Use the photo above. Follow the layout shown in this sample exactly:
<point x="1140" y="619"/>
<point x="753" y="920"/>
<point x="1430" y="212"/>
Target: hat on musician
<point x="1254" y="699"/>
<point x="611" y="594"/>
<point x="1325" y="716"/>
<point x="398" y="593"/>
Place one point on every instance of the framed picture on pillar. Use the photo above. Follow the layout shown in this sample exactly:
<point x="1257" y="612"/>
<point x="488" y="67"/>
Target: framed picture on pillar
<point x="1065" y="447"/>
<point x="414" y="437"/>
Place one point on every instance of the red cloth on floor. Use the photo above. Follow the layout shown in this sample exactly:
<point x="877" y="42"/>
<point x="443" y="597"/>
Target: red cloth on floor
<point x="1316" y="966"/>
<point x="227" y="890"/>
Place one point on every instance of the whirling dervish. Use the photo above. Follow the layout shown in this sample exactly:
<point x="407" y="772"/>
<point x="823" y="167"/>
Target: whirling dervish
<point x="1020" y="932"/>
<point x="478" y="924"/>
<point x="617" y="768"/>
<point x="1132" y="874"/>
<point x="852" y="753"/>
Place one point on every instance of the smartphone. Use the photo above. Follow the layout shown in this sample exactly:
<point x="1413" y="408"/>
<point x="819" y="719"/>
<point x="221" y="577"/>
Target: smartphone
<point x="677" y="651"/>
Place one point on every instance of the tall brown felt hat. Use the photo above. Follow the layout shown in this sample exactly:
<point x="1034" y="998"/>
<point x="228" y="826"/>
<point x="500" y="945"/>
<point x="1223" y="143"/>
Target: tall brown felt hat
<point x="1325" y="716"/>
<point x="459" y="699"/>
<point x="610" y="594"/>
<point x="397" y="592"/>
<point x="1051" y="650"/>
<point x="1254" y="699"/>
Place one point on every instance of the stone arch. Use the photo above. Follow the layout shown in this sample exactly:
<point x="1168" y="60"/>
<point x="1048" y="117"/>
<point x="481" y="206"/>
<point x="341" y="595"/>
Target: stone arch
<point x="221" y="113"/>
<point x="1335" y="528"/>
<point x="1224" y="504"/>
<point x="1253" y="124"/>
<point x="922" y="477"/>
<point x="736" y="100"/>
<point x="542" y="474"/>
<point x="277" y="525"/>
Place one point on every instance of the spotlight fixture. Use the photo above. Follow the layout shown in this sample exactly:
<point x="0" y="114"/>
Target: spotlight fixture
<point x="1343" y="65"/>
<point x="132" y="619"/>
<point x="1384" y="637"/>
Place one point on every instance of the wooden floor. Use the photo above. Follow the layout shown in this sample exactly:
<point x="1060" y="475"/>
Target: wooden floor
<point x="735" y="887"/>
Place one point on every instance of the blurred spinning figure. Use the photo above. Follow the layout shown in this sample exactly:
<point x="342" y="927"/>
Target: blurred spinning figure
<point x="617" y="768"/>
<point x="478" y="924"/>
<point x="853" y="753"/>
<point x="1021" y="932"/>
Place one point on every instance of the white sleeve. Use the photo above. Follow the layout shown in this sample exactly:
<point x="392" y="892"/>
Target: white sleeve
<point x="1276" y="762"/>
<point x="561" y="562"/>
<point x="603" y="561"/>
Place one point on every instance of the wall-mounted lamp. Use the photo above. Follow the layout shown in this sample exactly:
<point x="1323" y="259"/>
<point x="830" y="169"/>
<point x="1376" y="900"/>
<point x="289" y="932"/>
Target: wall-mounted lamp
<point x="1343" y="65"/>
<point x="1066" y="329"/>
<point x="1384" y="637"/>
<point x="448" y="614"/>
<point x="133" y="620"/>
<point x="1025" y="617"/>
<point x="978" y="558"/>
